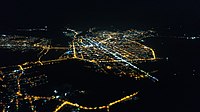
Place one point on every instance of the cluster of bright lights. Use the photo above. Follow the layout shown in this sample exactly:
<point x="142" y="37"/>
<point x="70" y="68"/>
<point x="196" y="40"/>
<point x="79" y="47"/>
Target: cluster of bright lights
<point x="111" y="52"/>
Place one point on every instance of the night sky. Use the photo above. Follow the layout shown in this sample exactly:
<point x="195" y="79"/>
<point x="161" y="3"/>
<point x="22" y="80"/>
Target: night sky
<point x="99" y="12"/>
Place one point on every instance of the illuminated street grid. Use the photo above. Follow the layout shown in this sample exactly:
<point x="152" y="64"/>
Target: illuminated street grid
<point x="113" y="51"/>
<point x="21" y="43"/>
<point x="110" y="52"/>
